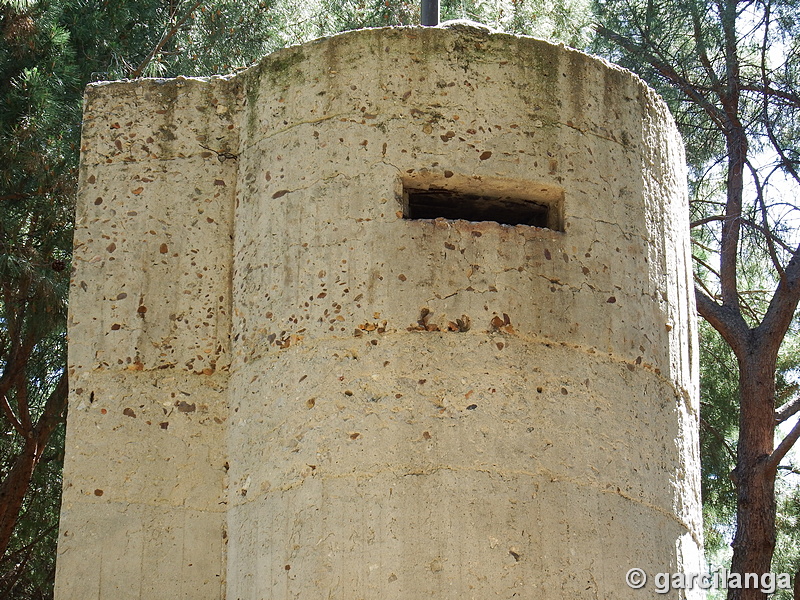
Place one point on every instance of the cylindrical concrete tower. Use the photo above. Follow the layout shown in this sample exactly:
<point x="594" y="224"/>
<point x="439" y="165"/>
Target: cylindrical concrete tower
<point x="463" y="324"/>
<point x="402" y="314"/>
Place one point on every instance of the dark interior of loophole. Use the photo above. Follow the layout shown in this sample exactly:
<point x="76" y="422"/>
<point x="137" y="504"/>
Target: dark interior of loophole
<point x="449" y="204"/>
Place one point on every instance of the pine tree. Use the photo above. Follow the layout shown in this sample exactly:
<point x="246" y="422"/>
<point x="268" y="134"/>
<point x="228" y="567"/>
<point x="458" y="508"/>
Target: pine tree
<point x="39" y="119"/>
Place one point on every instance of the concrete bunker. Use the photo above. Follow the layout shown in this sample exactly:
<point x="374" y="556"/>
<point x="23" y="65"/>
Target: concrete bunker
<point x="325" y="396"/>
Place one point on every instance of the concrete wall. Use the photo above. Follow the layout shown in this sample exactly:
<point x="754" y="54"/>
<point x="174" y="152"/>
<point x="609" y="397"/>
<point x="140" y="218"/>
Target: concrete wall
<point x="143" y="512"/>
<point x="364" y="405"/>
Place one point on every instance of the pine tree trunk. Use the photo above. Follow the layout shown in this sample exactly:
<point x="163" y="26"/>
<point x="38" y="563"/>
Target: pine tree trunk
<point x="797" y="586"/>
<point x="13" y="489"/>
<point x="17" y="481"/>
<point x="754" y="542"/>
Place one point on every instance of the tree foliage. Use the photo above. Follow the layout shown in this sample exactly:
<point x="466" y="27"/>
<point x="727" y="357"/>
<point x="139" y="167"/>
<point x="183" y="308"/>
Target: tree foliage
<point x="117" y="39"/>
<point x="566" y="21"/>
<point x="38" y="141"/>
<point x="718" y="425"/>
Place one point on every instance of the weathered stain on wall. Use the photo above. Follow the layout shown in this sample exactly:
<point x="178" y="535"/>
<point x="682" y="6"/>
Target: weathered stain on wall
<point x="283" y="386"/>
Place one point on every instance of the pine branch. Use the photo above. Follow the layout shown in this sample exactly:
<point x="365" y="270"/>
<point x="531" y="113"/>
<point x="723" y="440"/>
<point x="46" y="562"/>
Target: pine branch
<point x="766" y="90"/>
<point x="706" y="220"/>
<point x="12" y="556"/>
<point x="667" y="71"/>
<point x="782" y="306"/>
<point x="726" y="320"/>
<point x="12" y="418"/>
<point x="783" y="448"/>
<point x="719" y="437"/>
<point x="168" y="35"/>
<point x="786" y="411"/>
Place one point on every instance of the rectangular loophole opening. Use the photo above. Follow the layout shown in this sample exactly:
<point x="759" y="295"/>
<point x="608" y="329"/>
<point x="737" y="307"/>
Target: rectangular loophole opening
<point x="537" y="206"/>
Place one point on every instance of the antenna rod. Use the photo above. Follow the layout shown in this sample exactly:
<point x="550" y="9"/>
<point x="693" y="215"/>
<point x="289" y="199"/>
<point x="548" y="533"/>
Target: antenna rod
<point x="429" y="13"/>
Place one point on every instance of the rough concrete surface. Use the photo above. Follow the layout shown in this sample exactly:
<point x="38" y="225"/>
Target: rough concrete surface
<point x="283" y="388"/>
